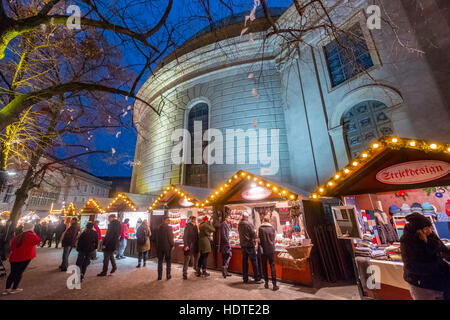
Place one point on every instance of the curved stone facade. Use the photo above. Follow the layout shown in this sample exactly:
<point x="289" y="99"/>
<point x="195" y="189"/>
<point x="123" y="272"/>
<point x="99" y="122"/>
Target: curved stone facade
<point x="294" y="95"/>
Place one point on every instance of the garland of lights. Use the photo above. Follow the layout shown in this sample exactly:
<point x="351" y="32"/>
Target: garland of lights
<point x="239" y="176"/>
<point x="178" y="190"/>
<point x="375" y="149"/>
<point x="125" y="199"/>
<point x="96" y="205"/>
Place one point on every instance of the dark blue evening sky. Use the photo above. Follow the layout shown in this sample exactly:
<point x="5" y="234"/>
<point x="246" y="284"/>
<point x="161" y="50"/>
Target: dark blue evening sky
<point x="119" y="163"/>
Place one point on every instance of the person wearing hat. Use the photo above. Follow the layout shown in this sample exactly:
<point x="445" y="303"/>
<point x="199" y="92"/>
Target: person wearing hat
<point x="23" y="250"/>
<point x="423" y="253"/>
<point x="247" y="236"/>
<point x="86" y="246"/>
<point x="204" y="245"/>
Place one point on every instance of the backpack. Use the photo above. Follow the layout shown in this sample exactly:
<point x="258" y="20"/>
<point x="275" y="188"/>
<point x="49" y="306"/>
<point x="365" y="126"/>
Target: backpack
<point x="141" y="236"/>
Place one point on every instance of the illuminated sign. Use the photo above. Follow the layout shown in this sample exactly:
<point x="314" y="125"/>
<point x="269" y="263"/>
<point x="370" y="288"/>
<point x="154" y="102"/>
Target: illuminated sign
<point x="183" y="202"/>
<point x="256" y="193"/>
<point x="414" y="172"/>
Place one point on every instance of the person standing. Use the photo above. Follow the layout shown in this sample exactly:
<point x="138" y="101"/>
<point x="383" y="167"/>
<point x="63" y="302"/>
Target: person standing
<point x="23" y="250"/>
<point x="204" y="245"/>
<point x="424" y="257"/>
<point x="87" y="244"/>
<point x="110" y="244"/>
<point x="123" y="239"/>
<point x="266" y="236"/>
<point x="164" y="244"/>
<point x="225" y="248"/>
<point x="59" y="230"/>
<point x="43" y="234"/>
<point x="143" y="243"/>
<point x="190" y="240"/>
<point x="247" y="236"/>
<point x="49" y="234"/>
<point x="68" y="241"/>
<point x="6" y="234"/>
<point x="99" y="236"/>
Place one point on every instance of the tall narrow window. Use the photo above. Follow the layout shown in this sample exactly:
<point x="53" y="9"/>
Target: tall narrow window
<point x="348" y="55"/>
<point x="365" y="123"/>
<point x="197" y="174"/>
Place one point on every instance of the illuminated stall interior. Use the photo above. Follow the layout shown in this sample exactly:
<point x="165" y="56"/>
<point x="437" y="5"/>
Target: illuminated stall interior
<point x="179" y="203"/>
<point x="130" y="206"/>
<point x="94" y="209"/>
<point x="391" y="179"/>
<point x="4" y="216"/>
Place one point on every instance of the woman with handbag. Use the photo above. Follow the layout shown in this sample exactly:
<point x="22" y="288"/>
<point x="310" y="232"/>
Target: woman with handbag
<point x="143" y="234"/>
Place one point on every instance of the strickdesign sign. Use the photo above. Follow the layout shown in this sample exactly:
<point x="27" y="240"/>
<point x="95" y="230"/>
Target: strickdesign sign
<point x="414" y="172"/>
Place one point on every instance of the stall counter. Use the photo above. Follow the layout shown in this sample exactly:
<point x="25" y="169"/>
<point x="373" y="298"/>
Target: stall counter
<point x="285" y="274"/>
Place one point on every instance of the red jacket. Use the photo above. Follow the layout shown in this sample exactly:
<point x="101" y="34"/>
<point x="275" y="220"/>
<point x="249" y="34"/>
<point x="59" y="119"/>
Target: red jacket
<point x="124" y="230"/>
<point x="27" y="250"/>
<point x="99" y="233"/>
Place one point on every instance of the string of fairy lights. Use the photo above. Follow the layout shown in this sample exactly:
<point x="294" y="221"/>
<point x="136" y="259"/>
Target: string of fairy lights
<point x="222" y="189"/>
<point x="119" y="198"/>
<point x="375" y="149"/>
<point x="176" y="190"/>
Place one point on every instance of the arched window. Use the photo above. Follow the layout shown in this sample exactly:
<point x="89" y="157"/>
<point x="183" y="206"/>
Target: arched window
<point x="365" y="123"/>
<point x="197" y="174"/>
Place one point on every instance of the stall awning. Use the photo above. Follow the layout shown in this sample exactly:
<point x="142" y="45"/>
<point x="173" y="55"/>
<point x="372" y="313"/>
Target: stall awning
<point x="180" y="196"/>
<point x="124" y="202"/>
<point x="390" y="164"/>
<point x="95" y="206"/>
<point x="64" y="210"/>
<point x="247" y="187"/>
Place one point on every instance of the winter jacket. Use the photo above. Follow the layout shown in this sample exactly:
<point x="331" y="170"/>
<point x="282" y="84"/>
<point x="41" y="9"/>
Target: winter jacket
<point x="225" y="234"/>
<point x="70" y="236"/>
<point x="112" y="236"/>
<point x="124" y="230"/>
<point x="204" y="234"/>
<point x="164" y="238"/>
<point x="247" y="234"/>
<point x="50" y="230"/>
<point x="27" y="249"/>
<point x="59" y="229"/>
<point x="88" y="241"/>
<point x="143" y="238"/>
<point x="99" y="233"/>
<point x="266" y="236"/>
<point x="190" y="237"/>
<point x="7" y="233"/>
<point x="424" y="266"/>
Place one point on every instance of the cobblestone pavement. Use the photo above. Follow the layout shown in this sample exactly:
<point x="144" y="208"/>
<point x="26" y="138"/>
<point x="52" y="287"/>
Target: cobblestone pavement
<point x="43" y="281"/>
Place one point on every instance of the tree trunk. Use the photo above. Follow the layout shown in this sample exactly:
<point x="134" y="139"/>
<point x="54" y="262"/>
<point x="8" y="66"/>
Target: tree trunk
<point x="19" y="202"/>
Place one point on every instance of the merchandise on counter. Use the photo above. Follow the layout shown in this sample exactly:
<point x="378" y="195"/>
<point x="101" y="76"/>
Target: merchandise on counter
<point x="174" y="222"/>
<point x="405" y="209"/>
<point x="416" y="207"/>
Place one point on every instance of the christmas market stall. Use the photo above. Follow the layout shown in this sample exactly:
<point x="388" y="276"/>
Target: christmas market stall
<point x="179" y="203"/>
<point x="133" y="207"/>
<point x="64" y="212"/>
<point x="377" y="190"/>
<point x="94" y="209"/>
<point x="255" y="195"/>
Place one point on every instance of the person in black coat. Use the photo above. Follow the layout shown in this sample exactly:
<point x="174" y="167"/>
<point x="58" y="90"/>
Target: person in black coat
<point x="225" y="248"/>
<point x="164" y="245"/>
<point x="6" y="235"/>
<point x="87" y="244"/>
<point x="247" y="237"/>
<point x="266" y="234"/>
<point x="68" y="242"/>
<point x="190" y="240"/>
<point x="49" y="235"/>
<point x="43" y="233"/>
<point x="59" y="230"/>
<point x="426" y="269"/>
<point x="110" y="244"/>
